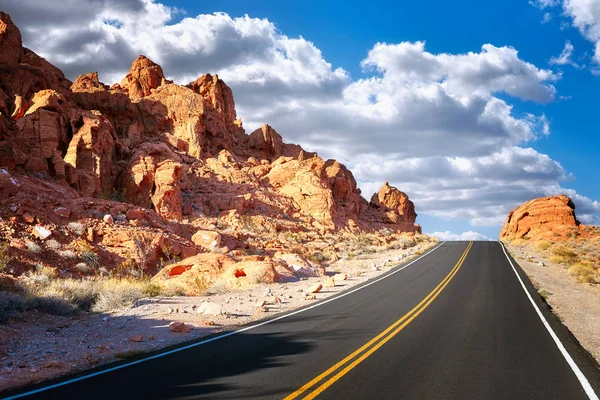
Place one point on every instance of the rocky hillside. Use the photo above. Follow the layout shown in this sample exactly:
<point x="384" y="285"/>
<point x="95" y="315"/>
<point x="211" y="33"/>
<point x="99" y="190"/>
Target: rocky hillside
<point x="127" y="178"/>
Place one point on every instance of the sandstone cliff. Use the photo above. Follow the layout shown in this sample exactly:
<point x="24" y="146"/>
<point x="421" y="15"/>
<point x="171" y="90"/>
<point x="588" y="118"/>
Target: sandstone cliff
<point x="151" y="159"/>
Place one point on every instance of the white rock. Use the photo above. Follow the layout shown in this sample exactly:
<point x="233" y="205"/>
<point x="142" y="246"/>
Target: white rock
<point x="41" y="232"/>
<point x="210" y="308"/>
<point x="108" y="218"/>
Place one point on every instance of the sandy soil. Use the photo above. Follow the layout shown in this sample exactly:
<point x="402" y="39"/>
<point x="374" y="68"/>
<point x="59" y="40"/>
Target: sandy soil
<point x="41" y="346"/>
<point x="577" y="305"/>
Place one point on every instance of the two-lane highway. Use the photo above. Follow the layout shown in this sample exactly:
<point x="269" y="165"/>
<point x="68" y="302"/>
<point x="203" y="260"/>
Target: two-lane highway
<point x="459" y="323"/>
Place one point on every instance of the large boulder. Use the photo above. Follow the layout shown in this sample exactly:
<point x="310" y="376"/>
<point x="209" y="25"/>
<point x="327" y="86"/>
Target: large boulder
<point x="394" y="204"/>
<point x="542" y="217"/>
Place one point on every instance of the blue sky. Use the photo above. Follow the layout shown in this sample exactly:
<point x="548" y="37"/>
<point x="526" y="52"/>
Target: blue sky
<point x="467" y="131"/>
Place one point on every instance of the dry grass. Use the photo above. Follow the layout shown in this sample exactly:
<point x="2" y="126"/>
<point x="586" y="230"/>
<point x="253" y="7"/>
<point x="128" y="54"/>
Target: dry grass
<point x="42" y="290"/>
<point x="542" y="245"/>
<point x="584" y="271"/>
<point x="564" y="255"/>
<point x="4" y="257"/>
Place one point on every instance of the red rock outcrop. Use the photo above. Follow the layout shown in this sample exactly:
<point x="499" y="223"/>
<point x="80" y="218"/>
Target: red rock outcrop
<point x="173" y="160"/>
<point x="542" y="217"/>
<point x="143" y="77"/>
<point x="10" y="41"/>
<point x="394" y="204"/>
<point x="217" y="94"/>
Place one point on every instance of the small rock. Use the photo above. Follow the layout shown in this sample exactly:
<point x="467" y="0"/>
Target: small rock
<point x="62" y="212"/>
<point x="105" y="319"/>
<point x="329" y="282"/>
<point x="150" y="337"/>
<point x="136" y="338"/>
<point x="28" y="218"/>
<point x="261" y="303"/>
<point x="108" y="219"/>
<point x="310" y="297"/>
<point x="91" y="235"/>
<point x="210" y="308"/>
<point x="276" y="300"/>
<point x="357" y="274"/>
<point x="239" y="273"/>
<point x="340" y="277"/>
<point x="316" y="288"/>
<point x="41" y="232"/>
<point x="179" y="327"/>
<point x="170" y="310"/>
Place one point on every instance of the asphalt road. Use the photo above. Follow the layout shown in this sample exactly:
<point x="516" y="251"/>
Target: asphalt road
<point x="456" y="324"/>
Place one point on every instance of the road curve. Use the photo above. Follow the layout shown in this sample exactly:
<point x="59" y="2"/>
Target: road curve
<point x="456" y="324"/>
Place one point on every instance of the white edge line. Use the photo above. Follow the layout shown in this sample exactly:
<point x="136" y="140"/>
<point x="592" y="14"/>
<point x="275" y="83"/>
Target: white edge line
<point x="582" y="379"/>
<point x="189" y="346"/>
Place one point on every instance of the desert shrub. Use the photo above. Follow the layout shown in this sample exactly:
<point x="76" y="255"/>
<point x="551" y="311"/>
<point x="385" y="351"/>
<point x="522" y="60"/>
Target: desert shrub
<point x="83" y="268"/>
<point x="562" y="254"/>
<point x="76" y="227"/>
<point x="386" y="232"/>
<point x="542" y="245"/>
<point x="11" y="305"/>
<point x="68" y="254"/>
<point x="544" y="293"/>
<point x="421" y="238"/>
<point x="90" y="258"/>
<point x="4" y="257"/>
<point x="81" y="294"/>
<point x="33" y="247"/>
<point x="584" y="271"/>
<point x="49" y="305"/>
<point x="118" y="293"/>
<point x="41" y="276"/>
<point x="53" y="244"/>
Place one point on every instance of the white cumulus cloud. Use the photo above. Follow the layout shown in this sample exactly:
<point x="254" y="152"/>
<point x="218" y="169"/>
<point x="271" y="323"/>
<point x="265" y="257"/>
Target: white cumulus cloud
<point x="448" y="236"/>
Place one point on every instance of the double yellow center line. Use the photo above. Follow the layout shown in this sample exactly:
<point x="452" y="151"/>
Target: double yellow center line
<point x="374" y="344"/>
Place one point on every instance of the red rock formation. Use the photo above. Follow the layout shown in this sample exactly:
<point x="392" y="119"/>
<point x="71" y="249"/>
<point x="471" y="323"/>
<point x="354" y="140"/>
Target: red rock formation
<point x="217" y="94"/>
<point x="174" y="159"/>
<point x="143" y="77"/>
<point x="395" y="205"/>
<point x="540" y="217"/>
<point x="10" y="41"/>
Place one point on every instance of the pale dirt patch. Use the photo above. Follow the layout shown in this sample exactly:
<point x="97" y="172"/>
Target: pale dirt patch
<point x="41" y="346"/>
<point x="577" y="305"/>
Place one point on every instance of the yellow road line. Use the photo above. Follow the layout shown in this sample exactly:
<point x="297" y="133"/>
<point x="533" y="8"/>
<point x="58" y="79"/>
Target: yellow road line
<point x="426" y="301"/>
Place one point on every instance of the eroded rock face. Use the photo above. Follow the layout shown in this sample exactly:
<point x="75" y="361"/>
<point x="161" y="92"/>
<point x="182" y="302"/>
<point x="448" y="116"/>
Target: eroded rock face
<point x="540" y="217"/>
<point x="10" y="41"/>
<point x="395" y="205"/>
<point x="151" y="179"/>
<point x="144" y="76"/>
<point x="266" y="140"/>
<point x="92" y="154"/>
<point x="166" y="161"/>
<point x="306" y="183"/>
<point x="217" y="94"/>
